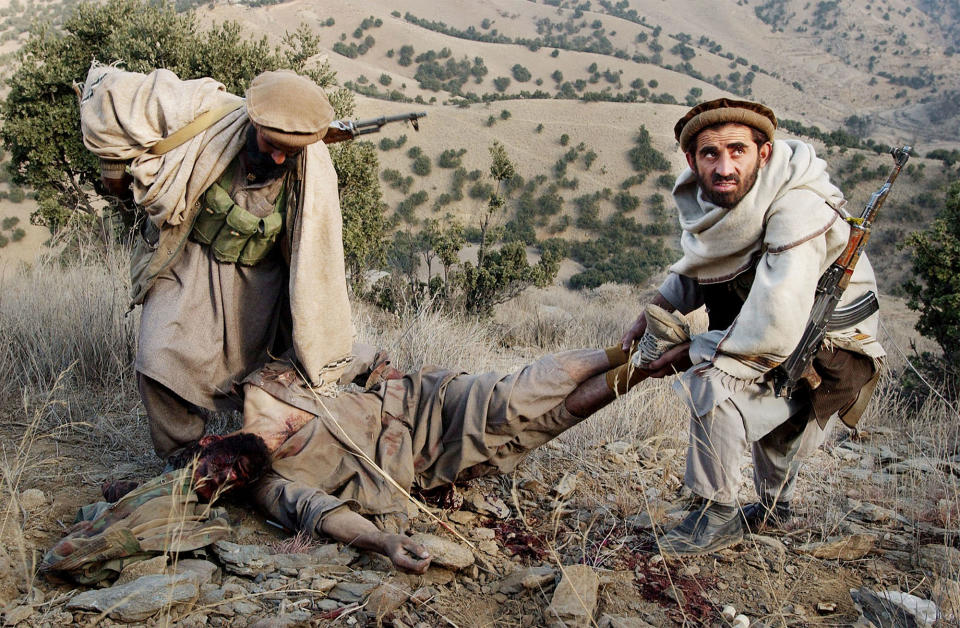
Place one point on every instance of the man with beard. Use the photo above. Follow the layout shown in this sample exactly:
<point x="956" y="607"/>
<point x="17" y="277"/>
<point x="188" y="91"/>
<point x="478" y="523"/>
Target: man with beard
<point x="761" y="222"/>
<point x="240" y="255"/>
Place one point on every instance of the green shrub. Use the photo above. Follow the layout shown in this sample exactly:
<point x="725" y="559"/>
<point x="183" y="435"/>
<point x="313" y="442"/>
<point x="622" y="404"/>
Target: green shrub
<point x="18" y="234"/>
<point x="625" y="202"/>
<point x="4" y="240"/>
<point x="520" y="73"/>
<point x="564" y="139"/>
<point x="505" y="115"/>
<point x="9" y="223"/>
<point x="451" y="158"/>
<point x="385" y="79"/>
<point x="501" y="83"/>
<point x="421" y="166"/>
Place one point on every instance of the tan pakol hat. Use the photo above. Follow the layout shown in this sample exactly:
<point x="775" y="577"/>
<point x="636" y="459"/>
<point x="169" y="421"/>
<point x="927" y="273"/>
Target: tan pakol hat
<point x="288" y="109"/>
<point x="724" y="110"/>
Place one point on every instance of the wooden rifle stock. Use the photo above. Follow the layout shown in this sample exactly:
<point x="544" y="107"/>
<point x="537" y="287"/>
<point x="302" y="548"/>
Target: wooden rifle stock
<point x="798" y="367"/>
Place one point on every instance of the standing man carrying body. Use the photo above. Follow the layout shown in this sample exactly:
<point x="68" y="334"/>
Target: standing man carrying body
<point x="761" y="222"/>
<point x="241" y="255"/>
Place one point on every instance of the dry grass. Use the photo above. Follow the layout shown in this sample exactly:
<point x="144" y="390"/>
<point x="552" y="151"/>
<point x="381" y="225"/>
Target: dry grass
<point x="68" y="349"/>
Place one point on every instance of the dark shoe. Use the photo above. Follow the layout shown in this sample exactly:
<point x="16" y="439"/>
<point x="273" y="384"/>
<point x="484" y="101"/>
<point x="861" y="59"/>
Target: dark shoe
<point x="759" y="516"/>
<point x="708" y="529"/>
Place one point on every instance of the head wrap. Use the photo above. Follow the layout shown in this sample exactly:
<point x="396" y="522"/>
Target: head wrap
<point x="721" y="111"/>
<point x="289" y="110"/>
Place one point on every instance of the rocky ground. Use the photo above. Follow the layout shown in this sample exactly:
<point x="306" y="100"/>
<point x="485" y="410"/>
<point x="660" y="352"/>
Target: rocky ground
<point x="563" y="543"/>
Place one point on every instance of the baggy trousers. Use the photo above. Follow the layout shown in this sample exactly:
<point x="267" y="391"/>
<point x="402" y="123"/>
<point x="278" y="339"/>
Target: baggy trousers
<point x="779" y="432"/>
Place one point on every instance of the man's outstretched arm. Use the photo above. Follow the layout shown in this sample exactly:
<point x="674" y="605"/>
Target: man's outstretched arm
<point x="354" y="529"/>
<point x="299" y="506"/>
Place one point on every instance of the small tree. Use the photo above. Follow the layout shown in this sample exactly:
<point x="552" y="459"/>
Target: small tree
<point x="40" y="113"/>
<point x="935" y="288"/>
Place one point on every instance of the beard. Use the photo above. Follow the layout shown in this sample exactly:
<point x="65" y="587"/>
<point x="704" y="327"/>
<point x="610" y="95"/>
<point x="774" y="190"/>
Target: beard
<point x="260" y="164"/>
<point x="730" y="199"/>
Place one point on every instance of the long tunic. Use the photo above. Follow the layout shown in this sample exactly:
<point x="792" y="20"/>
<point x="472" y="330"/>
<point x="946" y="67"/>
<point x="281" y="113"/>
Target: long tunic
<point x="427" y="429"/>
<point x="207" y="324"/>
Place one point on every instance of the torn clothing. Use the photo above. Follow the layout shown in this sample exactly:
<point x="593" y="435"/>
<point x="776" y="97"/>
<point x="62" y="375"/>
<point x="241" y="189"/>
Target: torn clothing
<point x="428" y="428"/>
<point x="160" y="517"/>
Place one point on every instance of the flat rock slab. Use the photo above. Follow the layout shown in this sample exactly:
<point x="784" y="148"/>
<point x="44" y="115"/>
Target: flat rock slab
<point x="528" y="578"/>
<point x="350" y="592"/>
<point x="853" y="547"/>
<point x="200" y="571"/>
<point x="244" y="560"/>
<point x="149" y="567"/>
<point x="387" y="598"/>
<point x="940" y="559"/>
<point x="140" y="599"/>
<point x="443" y="552"/>
<point x="575" y="599"/>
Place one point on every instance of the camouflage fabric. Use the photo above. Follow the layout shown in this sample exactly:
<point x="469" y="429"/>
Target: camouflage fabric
<point x="160" y="517"/>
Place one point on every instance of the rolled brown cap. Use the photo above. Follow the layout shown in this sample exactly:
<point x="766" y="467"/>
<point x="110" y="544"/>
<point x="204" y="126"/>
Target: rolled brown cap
<point x="289" y="110"/>
<point x="721" y="111"/>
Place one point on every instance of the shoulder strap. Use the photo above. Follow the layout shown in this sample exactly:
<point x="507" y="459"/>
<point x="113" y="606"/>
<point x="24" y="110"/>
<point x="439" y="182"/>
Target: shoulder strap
<point x="203" y="122"/>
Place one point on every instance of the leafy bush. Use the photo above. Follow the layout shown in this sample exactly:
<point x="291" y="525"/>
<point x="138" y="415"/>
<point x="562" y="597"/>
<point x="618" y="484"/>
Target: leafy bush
<point x="564" y="139"/>
<point x="935" y="288"/>
<point x="643" y="156"/>
<point x="421" y="166"/>
<point x="385" y="79"/>
<point x="9" y="222"/>
<point x="520" y="73"/>
<point x="451" y="158"/>
<point x="388" y="143"/>
<point x="501" y="83"/>
<point x="625" y="202"/>
<point x="18" y="234"/>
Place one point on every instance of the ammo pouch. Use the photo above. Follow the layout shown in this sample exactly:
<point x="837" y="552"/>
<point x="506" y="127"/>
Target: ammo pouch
<point x="235" y="235"/>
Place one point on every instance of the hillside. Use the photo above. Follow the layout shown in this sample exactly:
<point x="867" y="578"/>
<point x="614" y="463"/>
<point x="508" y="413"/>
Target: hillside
<point x="583" y="96"/>
<point x="566" y="87"/>
<point x="527" y="73"/>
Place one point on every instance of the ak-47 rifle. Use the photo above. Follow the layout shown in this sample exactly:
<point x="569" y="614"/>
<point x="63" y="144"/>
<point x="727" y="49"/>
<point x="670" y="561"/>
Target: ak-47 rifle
<point x="342" y="130"/>
<point x="825" y="316"/>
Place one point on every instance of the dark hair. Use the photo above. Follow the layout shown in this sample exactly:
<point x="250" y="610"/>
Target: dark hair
<point x="231" y="448"/>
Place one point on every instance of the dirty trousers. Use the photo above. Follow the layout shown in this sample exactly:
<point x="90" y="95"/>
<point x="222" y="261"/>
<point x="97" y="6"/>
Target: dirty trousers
<point x="780" y="433"/>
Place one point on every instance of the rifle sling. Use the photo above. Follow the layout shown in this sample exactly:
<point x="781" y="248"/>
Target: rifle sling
<point x="186" y="133"/>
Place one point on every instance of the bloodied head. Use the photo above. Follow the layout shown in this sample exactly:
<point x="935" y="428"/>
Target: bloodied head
<point x="228" y="462"/>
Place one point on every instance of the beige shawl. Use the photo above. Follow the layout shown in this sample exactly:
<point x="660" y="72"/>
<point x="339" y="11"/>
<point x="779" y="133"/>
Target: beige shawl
<point x="790" y="225"/>
<point x="123" y="114"/>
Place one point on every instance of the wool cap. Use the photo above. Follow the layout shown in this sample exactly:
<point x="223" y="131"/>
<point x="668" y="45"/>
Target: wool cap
<point x="721" y="111"/>
<point x="288" y="109"/>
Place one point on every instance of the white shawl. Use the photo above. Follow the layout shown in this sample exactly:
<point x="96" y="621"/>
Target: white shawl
<point x="789" y="224"/>
<point x="123" y="114"/>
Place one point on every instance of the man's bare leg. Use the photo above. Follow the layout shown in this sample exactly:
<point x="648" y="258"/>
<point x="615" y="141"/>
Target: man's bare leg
<point x="582" y="364"/>
<point x="603" y="375"/>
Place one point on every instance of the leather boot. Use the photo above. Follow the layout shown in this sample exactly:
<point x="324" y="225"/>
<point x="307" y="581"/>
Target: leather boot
<point x="710" y="528"/>
<point x="760" y="515"/>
